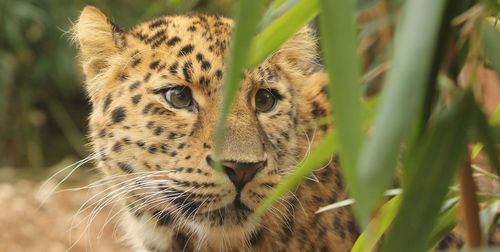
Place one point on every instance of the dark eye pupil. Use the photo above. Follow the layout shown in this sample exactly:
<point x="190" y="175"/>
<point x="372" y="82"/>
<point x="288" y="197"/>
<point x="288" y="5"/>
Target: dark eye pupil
<point x="264" y="100"/>
<point x="179" y="97"/>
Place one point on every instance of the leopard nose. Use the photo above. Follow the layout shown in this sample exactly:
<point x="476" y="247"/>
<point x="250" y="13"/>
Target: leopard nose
<point x="240" y="173"/>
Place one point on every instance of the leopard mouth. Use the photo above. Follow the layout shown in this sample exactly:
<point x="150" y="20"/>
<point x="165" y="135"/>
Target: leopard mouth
<point x="234" y="213"/>
<point x="240" y="206"/>
<point x="236" y="207"/>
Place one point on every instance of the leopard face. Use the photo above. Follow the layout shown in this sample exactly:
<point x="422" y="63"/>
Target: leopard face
<point x="156" y="93"/>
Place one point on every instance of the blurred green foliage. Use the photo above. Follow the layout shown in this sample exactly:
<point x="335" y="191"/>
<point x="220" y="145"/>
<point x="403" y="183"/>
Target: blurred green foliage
<point x="43" y="108"/>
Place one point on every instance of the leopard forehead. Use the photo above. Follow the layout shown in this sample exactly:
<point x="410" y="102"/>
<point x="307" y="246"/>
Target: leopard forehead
<point x="211" y="33"/>
<point x="183" y="51"/>
<point x="180" y="50"/>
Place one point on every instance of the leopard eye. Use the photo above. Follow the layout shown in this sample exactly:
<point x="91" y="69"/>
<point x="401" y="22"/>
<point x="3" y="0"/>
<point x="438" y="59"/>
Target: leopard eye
<point x="179" y="97"/>
<point x="265" y="100"/>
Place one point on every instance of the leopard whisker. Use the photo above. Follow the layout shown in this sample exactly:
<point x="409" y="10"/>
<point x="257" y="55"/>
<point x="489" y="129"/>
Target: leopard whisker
<point x="73" y="168"/>
<point x="170" y="201"/>
<point x="198" y="209"/>
<point x="105" y="180"/>
<point x="298" y="200"/>
<point x="143" y="196"/>
<point x="90" y="218"/>
<point x="111" y="196"/>
<point x="274" y="211"/>
<point x="111" y="190"/>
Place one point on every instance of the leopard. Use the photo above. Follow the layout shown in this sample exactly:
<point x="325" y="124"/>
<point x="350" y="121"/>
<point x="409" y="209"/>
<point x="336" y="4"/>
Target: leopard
<point x="155" y="94"/>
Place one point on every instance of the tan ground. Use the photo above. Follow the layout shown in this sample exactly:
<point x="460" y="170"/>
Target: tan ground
<point x="25" y="226"/>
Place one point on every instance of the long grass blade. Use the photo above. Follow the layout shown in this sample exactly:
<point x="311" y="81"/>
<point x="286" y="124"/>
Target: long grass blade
<point x="433" y="164"/>
<point x="348" y="202"/>
<point x="318" y="157"/>
<point x="489" y="216"/>
<point x="365" y="4"/>
<point x="490" y="249"/>
<point x="491" y="40"/>
<point x="277" y="8"/>
<point x="280" y="30"/>
<point x="339" y="43"/>
<point x="444" y="225"/>
<point x="493" y="121"/>
<point x="485" y="134"/>
<point x="401" y="99"/>
<point x="247" y="16"/>
<point x="377" y="226"/>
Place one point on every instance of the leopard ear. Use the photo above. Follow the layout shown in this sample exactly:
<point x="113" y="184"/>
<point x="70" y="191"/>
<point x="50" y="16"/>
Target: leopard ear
<point x="299" y="52"/>
<point x="98" y="39"/>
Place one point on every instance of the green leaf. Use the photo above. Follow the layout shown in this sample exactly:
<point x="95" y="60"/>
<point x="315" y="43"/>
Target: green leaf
<point x="277" y="3"/>
<point x="463" y="55"/>
<point x="485" y="134"/>
<point x="377" y="226"/>
<point x="247" y="16"/>
<point x="490" y="249"/>
<point x="277" y="8"/>
<point x="488" y="215"/>
<point x="433" y="164"/>
<point x="482" y="172"/>
<point x="320" y="154"/>
<point x="494" y="120"/>
<point x="370" y="106"/>
<point x="280" y="30"/>
<point x="477" y="148"/>
<point x="494" y="132"/>
<point x="492" y="5"/>
<point x="495" y="117"/>
<point x="402" y="99"/>
<point x="444" y="225"/>
<point x="335" y="205"/>
<point x="180" y="5"/>
<point x="339" y="42"/>
<point x="365" y="4"/>
<point x="491" y="44"/>
<point x="348" y="202"/>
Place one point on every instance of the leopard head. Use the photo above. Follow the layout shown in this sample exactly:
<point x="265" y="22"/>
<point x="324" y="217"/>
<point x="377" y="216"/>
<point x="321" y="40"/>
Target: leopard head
<point x="156" y="92"/>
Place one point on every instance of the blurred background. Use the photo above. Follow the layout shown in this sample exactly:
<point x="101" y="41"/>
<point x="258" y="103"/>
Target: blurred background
<point x="43" y="108"/>
<point x="43" y="112"/>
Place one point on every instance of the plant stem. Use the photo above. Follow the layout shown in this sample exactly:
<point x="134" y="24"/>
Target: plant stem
<point x="470" y="208"/>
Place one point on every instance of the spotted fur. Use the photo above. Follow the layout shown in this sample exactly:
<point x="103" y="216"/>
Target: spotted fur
<point x="157" y="158"/>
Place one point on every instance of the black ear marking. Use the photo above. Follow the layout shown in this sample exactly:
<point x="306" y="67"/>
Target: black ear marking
<point x="118" y="35"/>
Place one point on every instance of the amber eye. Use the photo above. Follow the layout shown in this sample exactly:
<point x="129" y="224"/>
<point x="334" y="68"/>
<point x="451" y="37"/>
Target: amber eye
<point x="179" y="97"/>
<point x="265" y="100"/>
